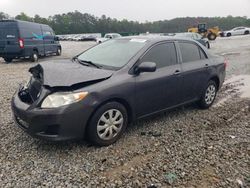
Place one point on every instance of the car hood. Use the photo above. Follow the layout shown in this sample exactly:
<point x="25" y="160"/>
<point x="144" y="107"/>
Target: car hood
<point x="66" y="73"/>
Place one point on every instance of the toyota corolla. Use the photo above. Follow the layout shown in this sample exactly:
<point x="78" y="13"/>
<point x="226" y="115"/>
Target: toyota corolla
<point x="99" y="92"/>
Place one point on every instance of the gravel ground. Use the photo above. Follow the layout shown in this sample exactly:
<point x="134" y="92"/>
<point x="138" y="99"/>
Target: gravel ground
<point x="186" y="147"/>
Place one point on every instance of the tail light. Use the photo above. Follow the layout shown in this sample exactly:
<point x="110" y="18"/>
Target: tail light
<point x="21" y="43"/>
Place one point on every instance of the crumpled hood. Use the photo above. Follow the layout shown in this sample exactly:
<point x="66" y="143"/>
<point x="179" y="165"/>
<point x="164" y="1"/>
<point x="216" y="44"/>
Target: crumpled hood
<point x="65" y="73"/>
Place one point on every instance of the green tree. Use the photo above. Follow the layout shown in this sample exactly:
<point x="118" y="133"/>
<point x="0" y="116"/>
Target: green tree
<point x="4" y="16"/>
<point x="24" y="17"/>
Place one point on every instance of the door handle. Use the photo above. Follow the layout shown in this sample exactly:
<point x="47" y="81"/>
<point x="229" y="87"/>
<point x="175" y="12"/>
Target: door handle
<point x="177" y="72"/>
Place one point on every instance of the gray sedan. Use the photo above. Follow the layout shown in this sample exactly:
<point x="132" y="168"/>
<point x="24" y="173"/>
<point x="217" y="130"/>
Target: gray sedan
<point x="99" y="92"/>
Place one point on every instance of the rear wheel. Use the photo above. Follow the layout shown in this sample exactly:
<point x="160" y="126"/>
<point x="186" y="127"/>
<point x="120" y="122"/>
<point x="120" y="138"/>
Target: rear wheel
<point x="8" y="60"/>
<point x="59" y="51"/>
<point x="229" y="34"/>
<point x="246" y="32"/>
<point x="34" y="56"/>
<point x="107" y="124"/>
<point x="208" y="95"/>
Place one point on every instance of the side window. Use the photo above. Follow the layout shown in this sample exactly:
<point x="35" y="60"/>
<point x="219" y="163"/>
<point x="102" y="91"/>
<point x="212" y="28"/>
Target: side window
<point x="30" y="32"/>
<point x="163" y="55"/>
<point x="190" y="52"/>
<point x="47" y="32"/>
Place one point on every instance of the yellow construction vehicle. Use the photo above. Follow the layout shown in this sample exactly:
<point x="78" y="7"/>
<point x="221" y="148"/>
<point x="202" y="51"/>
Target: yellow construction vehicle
<point x="210" y="33"/>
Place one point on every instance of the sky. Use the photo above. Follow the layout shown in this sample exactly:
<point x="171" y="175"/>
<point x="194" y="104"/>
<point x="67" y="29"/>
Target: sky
<point x="136" y="10"/>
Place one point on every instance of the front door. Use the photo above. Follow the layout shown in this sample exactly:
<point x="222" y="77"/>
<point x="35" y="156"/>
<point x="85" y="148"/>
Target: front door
<point x="49" y="40"/>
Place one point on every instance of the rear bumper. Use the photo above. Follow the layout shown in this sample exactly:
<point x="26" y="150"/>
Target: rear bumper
<point x="13" y="53"/>
<point x="60" y="124"/>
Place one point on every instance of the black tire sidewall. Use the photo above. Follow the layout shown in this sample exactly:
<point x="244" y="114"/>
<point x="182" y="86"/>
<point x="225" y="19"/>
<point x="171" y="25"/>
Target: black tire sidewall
<point x="92" y="135"/>
<point x="8" y="60"/>
<point x="202" y="102"/>
<point x="229" y="34"/>
<point x="246" y="33"/>
<point x="57" y="52"/>
<point x="32" y="56"/>
<point x="211" y="36"/>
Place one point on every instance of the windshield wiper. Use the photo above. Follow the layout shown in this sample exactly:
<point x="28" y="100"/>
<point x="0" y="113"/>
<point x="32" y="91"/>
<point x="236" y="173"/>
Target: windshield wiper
<point x="85" y="62"/>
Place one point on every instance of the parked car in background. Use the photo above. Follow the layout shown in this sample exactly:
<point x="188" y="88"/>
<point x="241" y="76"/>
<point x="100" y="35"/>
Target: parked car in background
<point x="99" y="92"/>
<point x="236" y="31"/>
<point x="21" y="39"/>
<point x="108" y="36"/>
<point x="87" y="38"/>
<point x="195" y="36"/>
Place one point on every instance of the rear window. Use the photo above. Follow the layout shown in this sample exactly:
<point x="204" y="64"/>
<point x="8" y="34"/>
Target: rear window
<point x="8" y="30"/>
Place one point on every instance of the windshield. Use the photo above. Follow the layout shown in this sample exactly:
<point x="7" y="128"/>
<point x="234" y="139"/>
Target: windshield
<point x="114" y="53"/>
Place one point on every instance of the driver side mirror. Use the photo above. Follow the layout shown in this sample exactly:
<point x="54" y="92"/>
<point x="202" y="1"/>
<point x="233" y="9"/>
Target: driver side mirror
<point x="145" y="67"/>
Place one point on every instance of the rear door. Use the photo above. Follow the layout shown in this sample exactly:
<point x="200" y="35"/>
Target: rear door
<point x="159" y="90"/>
<point x="195" y="70"/>
<point x="9" y="37"/>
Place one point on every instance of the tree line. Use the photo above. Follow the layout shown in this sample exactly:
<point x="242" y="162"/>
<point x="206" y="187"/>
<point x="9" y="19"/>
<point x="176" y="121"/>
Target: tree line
<point x="77" y="22"/>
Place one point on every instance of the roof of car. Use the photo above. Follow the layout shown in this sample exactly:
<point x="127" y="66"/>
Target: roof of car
<point x="154" y="38"/>
<point x="20" y="21"/>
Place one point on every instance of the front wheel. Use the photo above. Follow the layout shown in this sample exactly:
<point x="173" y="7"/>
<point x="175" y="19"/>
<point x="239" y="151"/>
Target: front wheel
<point x="107" y="124"/>
<point x="246" y="33"/>
<point x="208" y="95"/>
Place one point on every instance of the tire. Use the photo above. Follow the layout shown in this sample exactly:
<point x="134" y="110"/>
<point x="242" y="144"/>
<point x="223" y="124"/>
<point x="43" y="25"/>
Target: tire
<point x="101" y="119"/>
<point x="229" y="34"/>
<point x="246" y="33"/>
<point x="8" y="60"/>
<point x="211" y="36"/>
<point x="34" y="56"/>
<point x="208" y="95"/>
<point x="58" y="51"/>
<point x="207" y="45"/>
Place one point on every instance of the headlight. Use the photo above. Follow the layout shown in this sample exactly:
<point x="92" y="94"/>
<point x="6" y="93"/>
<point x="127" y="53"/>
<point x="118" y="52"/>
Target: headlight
<point x="62" y="98"/>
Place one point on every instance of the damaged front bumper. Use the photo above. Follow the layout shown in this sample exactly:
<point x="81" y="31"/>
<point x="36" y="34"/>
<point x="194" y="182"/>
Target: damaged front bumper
<point x="57" y="124"/>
